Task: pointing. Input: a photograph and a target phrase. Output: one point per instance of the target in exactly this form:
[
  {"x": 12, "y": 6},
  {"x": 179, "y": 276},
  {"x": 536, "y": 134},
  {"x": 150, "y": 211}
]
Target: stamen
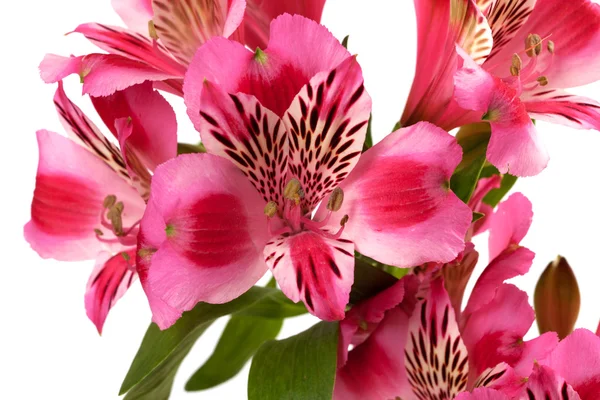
[
  {"x": 335, "y": 199},
  {"x": 542, "y": 80},
  {"x": 109, "y": 201},
  {"x": 98, "y": 232},
  {"x": 533, "y": 44},
  {"x": 293, "y": 191},
  {"x": 516, "y": 66},
  {"x": 344, "y": 220},
  {"x": 271, "y": 209},
  {"x": 550, "y": 46},
  {"x": 114, "y": 215},
  {"x": 152, "y": 30}
]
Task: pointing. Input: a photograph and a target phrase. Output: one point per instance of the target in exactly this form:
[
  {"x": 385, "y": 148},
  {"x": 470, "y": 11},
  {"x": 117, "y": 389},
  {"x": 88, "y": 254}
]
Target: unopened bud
[
  {"x": 293, "y": 190},
  {"x": 344, "y": 220},
  {"x": 556, "y": 299},
  {"x": 271, "y": 209},
  {"x": 109, "y": 201},
  {"x": 533, "y": 45},
  {"x": 542, "y": 80},
  {"x": 551, "y": 46},
  {"x": 335, "y": 199}
]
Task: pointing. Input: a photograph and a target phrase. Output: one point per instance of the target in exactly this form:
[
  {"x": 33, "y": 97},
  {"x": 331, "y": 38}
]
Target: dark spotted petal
[
  {"x": 560, "y": 107},
  {"x": 506, "y": 17}
]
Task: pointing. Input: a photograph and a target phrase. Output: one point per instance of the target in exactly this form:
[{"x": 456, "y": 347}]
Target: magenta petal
[
  {"x": 544, "y": 383},
  {"x": 482, "y": 394},
  {"x": 509, "y": 224},
  {"x": 327, "y": 123},
  {"x": 401, "y": 211},
  {"x": 315, "y": 269},
  {"x": 154, "y": 127},
  {"x": 577, "y": 360},
  {"x": 560, "y": 107},
  {"x": 207, "y": 230},
  {"x": 71, "y": 185},
  {"x": 260, "y": 13},
  {"x": 110, "y": 280},
  {"x": 135, "y": 13}
]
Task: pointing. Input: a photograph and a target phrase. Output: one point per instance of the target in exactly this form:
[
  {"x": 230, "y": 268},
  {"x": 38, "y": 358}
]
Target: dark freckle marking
[
  {"x": 530, "y": 394},
  {"x": 343, "y": 251},
  {"x": 237, "y": 158},
  {"x": 238, "y": 104},
  {"x": 299, "y": 279},
  {"x": 334, "y": 268},
  {"x": 320, "y": 95},
  {"x": 314, "y": 117},
  {"x": 223, "y": 140},
  {"x": 308, "y": 299},
  {"x": 355, "y": 96},
  {"x": 330, "y": 78},
  {"x": 309, "y": 91},
  {"x": 258, "y": 112},
  {"x": 209, "y": 119}
]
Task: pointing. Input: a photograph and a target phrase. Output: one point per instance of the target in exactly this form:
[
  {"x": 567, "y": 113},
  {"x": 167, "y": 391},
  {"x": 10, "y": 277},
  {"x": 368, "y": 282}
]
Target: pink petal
[
  {"x": 183, "y": 26},
  {"x": 435, "y": 345},
  {"x": 298, "y": 49},
  {"x": 208, "y": 228},
  {"x": 401, "y": 210},
  {"x": 482, "y": 394},
  {"x": 71, "y": 185},
  {"x": 260, "y": 13},
  {"x": 457, "y": 274},
  {"x": 509, "y": 224},
  {"x": 514, "y": 145},
  {"x": 315, "y": 269},
  {"x": 132, "y": 45},
  {"x": 560, "y": 107},
  {"x": 441, "y": 26},
  {"x": 375, "y": 367},
  {"x": 477, "y": 205},
  {"x": 238, "y": 128},
  {"x": 135, "y": 13},
  {"x": 502, "y": 378},
  {"x": 54, "y": 68},
  {"x": 574, "y": 27},
  {"x": 139, "y": 174},
  {"x": 546, "y": 384},
  {"x": 108, "y": 283},
  {"x": 327, "y": 123},
  {"x": 577, "y": 360},
  {"x": 154, "y": 135},
  {"x": 82, "y": 130}
]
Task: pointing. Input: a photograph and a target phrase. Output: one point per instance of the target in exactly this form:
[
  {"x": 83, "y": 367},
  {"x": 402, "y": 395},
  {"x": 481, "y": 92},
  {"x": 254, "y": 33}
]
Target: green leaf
[
  {"x": 241, "y": 338},
  {"x": 153, "y": 369},
  {"x": 301, "y": 367},
  {"x": 495, "y": 196},
  {"x": 473, "y": 139},
  {"x": 369, "y": 137},
  {"x": 345, "y": 41},
  {"x": 274, "y": 305},
  {"x": 369, "y": 279},
  {"x": 187, "y": 148},
  {"x": 477, "y": 216}
]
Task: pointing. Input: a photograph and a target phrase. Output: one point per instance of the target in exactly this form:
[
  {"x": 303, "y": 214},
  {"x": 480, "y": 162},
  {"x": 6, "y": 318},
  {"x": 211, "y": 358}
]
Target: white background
[{"x": 49, "y": 349}]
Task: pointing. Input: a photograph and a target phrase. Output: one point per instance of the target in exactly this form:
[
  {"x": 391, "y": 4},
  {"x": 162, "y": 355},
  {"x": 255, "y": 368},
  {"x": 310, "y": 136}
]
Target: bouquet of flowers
[{"x": 286, "y": 187}]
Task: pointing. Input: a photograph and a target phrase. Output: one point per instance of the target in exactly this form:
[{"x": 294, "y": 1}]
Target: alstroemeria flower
[
  {"x": 215, "y": 223},
  {"x": 539, "y": 49},
  {"x": 418, "y": 344},
  {"x": 89, "y": 195},
  {"x": 162, "y": 38}
]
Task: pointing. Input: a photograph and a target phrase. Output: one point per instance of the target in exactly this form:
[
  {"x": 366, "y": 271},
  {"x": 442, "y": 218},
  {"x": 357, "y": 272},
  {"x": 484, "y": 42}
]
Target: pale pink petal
[
  {"x": 126, "y": 43},
  {"x": 509, "y": 224},
  {"x": 435, "y": 345},
  {"x": 401, "y": 210},
  {"x": 501, "y": 377},
  {"x": 560, "y": 107},
  {"x": 83, "y": 131},
  {"x": 139, "y": 174},
  {"x": 505, "y": 18},
  {"x": 544, "y": 383},
  {"x": 315, "y": 269},
  {"x": 327, "y": 123},
  {"x": 299, "y": 48},
  {"x": 577, "y": 360},
  {"x": 135, "y": 13},
  {"x": 574, "y": 27},
  {"x": 482, "y": 394},
  {"x": 55, "y": 68},
  {"x": 375, "y": 367},
  {"x": 109, "y": 281},
  {"x": 210, "y": 227},
  {"x": 260, "y": 13},
  {"x": 183, "y": 26},
  {"x": 154, "y": 135},
  {"x": 238, "y": 128},
  {"x": 514, "y": 144},
  {"x": 71, "y": 185},
  {"x": 441, "y": 26}
]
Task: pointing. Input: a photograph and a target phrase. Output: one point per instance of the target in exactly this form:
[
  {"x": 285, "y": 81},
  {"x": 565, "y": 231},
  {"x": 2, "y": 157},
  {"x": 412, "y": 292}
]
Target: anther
[
  {"x": 114, "y": 215},
  {"x": 271, "y": 209},
  {"x": 293, "y": 191},
  {"x": 515, "y": 68},
  {"x": 542, "y": 80},
  {"x": 152, "y": 30},
  {"x": 533, "y": 45},
  {"x": 109, "y": 201},
  {"x": 550, "y": 46},
  {"x": 98, "y": 232},
  {"x": 344, "y": 220},
  {"x": 335, "y": 199}
]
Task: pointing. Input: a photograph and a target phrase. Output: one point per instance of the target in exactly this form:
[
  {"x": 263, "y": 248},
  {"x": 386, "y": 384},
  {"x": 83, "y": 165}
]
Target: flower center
[
  {"x": 111, "y": 219},
  {"x": 291, "y": 217},
  {"x": 531, "y": 75}
]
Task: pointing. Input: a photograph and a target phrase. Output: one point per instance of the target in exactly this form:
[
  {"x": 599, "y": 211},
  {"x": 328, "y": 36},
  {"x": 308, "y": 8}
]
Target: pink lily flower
[
  {"x": 216, "y": 223},
  {"x": 162, "y": 37},
  {"x": 89, "y": 194},
  {"x": 540, "y": 48},
  {"x": 413, "y": 341}
]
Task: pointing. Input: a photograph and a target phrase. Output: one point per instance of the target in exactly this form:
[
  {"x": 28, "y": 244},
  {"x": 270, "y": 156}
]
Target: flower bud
[{"x": 556, "y": 299}]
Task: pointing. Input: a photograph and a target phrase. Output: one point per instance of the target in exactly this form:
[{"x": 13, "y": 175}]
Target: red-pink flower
[
  {"x": 413, "y": 341},
  {"x": 539, "y": 49},
  {"x": 162, "y": 37},
  {"x": 286, "y": 128},
  {"x": 89, "y": 194}
]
